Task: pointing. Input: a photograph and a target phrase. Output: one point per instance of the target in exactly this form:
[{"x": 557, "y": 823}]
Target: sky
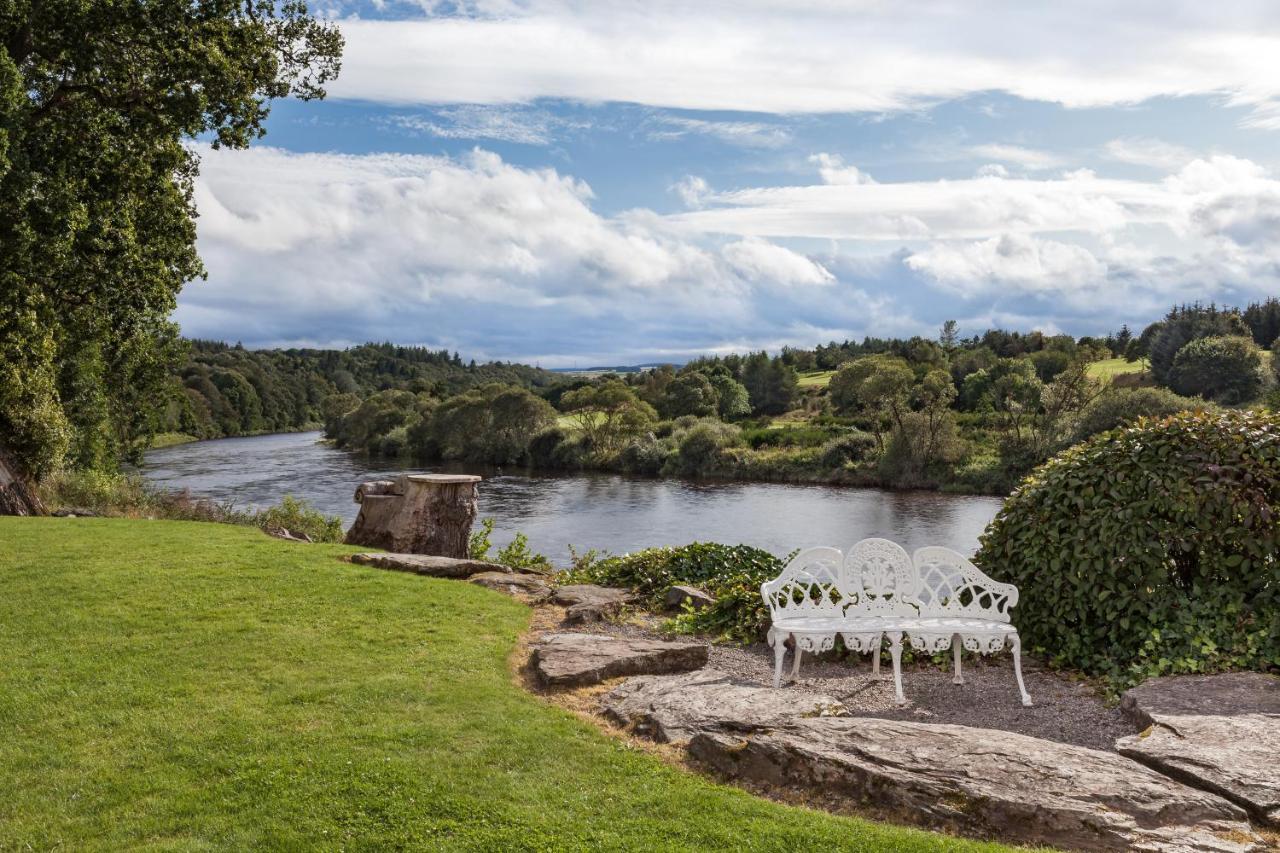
[{"x": 613, "y": 182}]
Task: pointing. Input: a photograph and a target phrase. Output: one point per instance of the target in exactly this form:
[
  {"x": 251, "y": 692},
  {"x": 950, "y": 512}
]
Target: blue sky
[{"x": 612, "y": 182}]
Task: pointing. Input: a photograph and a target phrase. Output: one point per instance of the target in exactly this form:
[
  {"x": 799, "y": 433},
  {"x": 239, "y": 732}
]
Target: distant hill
[{"x": 628, "y": 368}]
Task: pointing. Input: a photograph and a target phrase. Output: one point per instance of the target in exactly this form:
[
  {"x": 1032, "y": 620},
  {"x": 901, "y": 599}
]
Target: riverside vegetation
[{"x": 972, "y": 415}]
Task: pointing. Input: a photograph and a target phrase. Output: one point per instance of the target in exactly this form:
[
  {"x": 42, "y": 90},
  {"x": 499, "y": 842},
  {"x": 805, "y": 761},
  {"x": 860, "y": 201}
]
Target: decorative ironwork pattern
[{"x": 937, "y": 600}]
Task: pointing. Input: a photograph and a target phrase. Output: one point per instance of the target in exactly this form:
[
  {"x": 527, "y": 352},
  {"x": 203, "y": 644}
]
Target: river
[{"x": 588, "y": 510}]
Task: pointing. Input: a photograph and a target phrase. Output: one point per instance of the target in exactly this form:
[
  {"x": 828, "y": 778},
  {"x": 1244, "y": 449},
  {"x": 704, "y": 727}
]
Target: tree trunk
[
  {"x": 417, "y": 514},
  {"x": 17, "y": 492}
]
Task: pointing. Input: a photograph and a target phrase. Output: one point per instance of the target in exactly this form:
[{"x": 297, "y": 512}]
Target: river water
[{"x": 588, "y": 510}]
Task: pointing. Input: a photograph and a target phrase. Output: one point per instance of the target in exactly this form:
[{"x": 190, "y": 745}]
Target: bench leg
[
  {"x": 875, "y": 656},
  {"x": 955, "y": 655},
  {"x": 895, "y": 651},
  {"x": 1017, "y": 670},
  {"x": 795, "y": 664},
  {"x": 779, "y": 652}
]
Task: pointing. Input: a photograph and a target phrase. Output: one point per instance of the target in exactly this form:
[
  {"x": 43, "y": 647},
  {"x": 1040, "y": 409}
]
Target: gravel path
[{"x": 1065, "y": 710}]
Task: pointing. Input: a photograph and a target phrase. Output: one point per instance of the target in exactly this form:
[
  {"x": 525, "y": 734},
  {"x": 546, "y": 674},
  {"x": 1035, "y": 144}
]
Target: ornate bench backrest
[
  {"x": 881, "y": 579},
  {"x": 950, "y": 585},
  {"x": 810, "y": 585}
]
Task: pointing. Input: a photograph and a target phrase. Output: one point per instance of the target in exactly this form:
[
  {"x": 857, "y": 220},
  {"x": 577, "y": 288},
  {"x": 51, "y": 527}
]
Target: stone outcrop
[
  {"x": 574, "y": 660},
  {"x": 675, "y": 709},
  {"x": 677, "y": 596},
  {"x": 1220, "y": 733},
  {"x": 977, "y": 781},
  {"x": 533, "y": 588},
  {"x": 416, "y": 514},
  {"x": 586, "y": 602},
  {"x": 424, "y": 564},
  {"x": 1226, "y": 694}
]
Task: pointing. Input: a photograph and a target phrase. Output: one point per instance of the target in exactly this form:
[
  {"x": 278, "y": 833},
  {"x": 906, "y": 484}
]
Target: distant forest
[{"x": 227, "y": 390}]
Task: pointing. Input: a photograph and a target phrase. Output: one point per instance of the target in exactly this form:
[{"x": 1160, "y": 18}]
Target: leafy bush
[
  {"x": 1119, "y": 406},
  {"x": 299, "y": 517},
  {"x": 699, "y": 449},
  {"x": 1150, "y": 550},
  {"x": 1225, "y": 369},
  {"x": 807, "y": 436},
  {"x": 514, "y": 555},
  {"x": 645, "y": 455},
  {"x": 853, "y": 446},
  {"x": 731, "y": 573}
]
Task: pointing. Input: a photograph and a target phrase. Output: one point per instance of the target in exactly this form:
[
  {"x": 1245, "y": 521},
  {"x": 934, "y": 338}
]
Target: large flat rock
[
  {"x": 1220, "y": 733},
  {"x": 585, "y": 602},
  {"x": 675, "y": 709},
  {"x": 977, "y": 781},
  {"x": 1226, "y": 694},
  {"x": 573, "y": 660},
  {"x": 534, "y": 588},
  {"x": 424, "y": 564}
]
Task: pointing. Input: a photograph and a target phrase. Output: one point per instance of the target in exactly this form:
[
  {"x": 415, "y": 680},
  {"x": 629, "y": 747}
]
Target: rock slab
[
  {"x": 586, "y": 602},
  {"x": 674, "y": 710},
  {"x": 1220, "y": 733},
  {"x": 519, "y": 584},
  {"x": 424, "y": 564},
  {"x": 978, "y": 781},
  {"x": 677, "y": 596},
  {"x": 574, "y": 660}
]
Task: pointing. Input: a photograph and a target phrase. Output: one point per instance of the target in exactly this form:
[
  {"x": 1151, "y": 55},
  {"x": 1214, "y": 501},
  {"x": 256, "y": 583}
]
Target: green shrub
[
  {"x": 96, "y": 490},
  {"x": 298, "y": 517},
  {"x": 730, "y": 573},
  {"x": 1120, "y": 406},
  {"x": 699, "y": 449},
  {"x": 1225, "y": 369},
  {"x": 514, "y": 555},
  {"x": 853, "y": 446},
  {"x": 1151, "y": 549},
  {"x": 644, "y": 455}
]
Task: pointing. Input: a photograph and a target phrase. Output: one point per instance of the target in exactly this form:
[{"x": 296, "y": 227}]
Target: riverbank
[
  {"x": 611, "y": 512},
  {"x": 207, "y": 686}
]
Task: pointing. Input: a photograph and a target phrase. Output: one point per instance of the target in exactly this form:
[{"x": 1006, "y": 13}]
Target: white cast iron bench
[{"x": 937, "y": 599}]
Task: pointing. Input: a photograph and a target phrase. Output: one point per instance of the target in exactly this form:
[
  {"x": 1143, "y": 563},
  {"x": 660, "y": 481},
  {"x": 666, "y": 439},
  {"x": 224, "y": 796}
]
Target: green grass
[
  {"x": 1109, "y": 368},
  {"x": 169, "y": 439},
  {"x": 816, "y": 379},
  {"x": 194, "y": 686}
]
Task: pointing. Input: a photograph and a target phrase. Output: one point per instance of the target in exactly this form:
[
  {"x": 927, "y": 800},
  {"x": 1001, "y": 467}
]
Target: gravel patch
[{"x": 1066, "y": 710}]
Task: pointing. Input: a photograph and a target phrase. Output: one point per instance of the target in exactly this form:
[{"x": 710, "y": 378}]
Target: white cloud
[
  {"x": 761, "y": 261},
  {"x": 833, "y": 170},
  {"x": 1142, "y": 151},
  {"x": 992, "y": 170},
  {"x": 748, "y": 134},
  {"x": 691, "y": 190},
  {"x": 1027, "y": 158},
  {"x": 1016, "y": 260},
  {"x": 819, "y": 56},
  {"x": 477, "y": 121},
  {"x": 472, "y": 253}
]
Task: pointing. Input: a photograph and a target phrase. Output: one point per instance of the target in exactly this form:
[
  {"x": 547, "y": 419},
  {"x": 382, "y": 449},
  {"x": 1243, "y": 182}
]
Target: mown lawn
[
  {"x": 816, "y": 379},
  {"x": 189, "y": 686},
  {"x": 1109, "y": 368}
]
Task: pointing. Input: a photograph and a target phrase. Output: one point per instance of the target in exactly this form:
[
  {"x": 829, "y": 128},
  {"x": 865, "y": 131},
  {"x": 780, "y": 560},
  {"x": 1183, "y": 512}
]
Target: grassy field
[
  {"x": 1109, "y": 368},
  {"x": 816, "y": 379},
  {"x": 189, "y": 686}
]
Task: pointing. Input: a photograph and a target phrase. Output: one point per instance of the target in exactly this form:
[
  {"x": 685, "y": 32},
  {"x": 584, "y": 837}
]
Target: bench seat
[{"x": 936, "y": 600}]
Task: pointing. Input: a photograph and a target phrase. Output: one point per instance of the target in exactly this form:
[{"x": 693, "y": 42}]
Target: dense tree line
[
  {"x": 225, "y": 390},
  {"x": 98, "y": 102},
  {"x": 971, "y": 413}
]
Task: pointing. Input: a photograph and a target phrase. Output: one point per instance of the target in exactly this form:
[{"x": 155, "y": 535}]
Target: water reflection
[{"x": 587, "y": 510}]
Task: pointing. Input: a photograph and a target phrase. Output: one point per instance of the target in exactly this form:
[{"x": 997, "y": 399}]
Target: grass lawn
[
  {"x": 169, "y": 439},
  {"x": 192, "y": 686},
  {"x": 816, "y": 379},
  {"x": 1108, "y": 368}
]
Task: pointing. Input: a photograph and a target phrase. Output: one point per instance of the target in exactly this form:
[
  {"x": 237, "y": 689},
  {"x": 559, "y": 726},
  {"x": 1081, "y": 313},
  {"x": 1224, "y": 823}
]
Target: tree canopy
[{"x": 102, "y": 110}]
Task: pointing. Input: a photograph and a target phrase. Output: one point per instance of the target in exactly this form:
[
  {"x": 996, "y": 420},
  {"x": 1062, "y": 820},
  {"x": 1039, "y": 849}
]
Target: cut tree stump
[
  {"x": 417, "y": 514},
  {"x": 17, "y": 494}
]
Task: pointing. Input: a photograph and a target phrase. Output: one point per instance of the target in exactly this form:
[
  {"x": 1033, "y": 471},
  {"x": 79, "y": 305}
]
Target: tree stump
[
  {"x": 17, "y": 494},
  {"x": 417, "y": 514}
]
